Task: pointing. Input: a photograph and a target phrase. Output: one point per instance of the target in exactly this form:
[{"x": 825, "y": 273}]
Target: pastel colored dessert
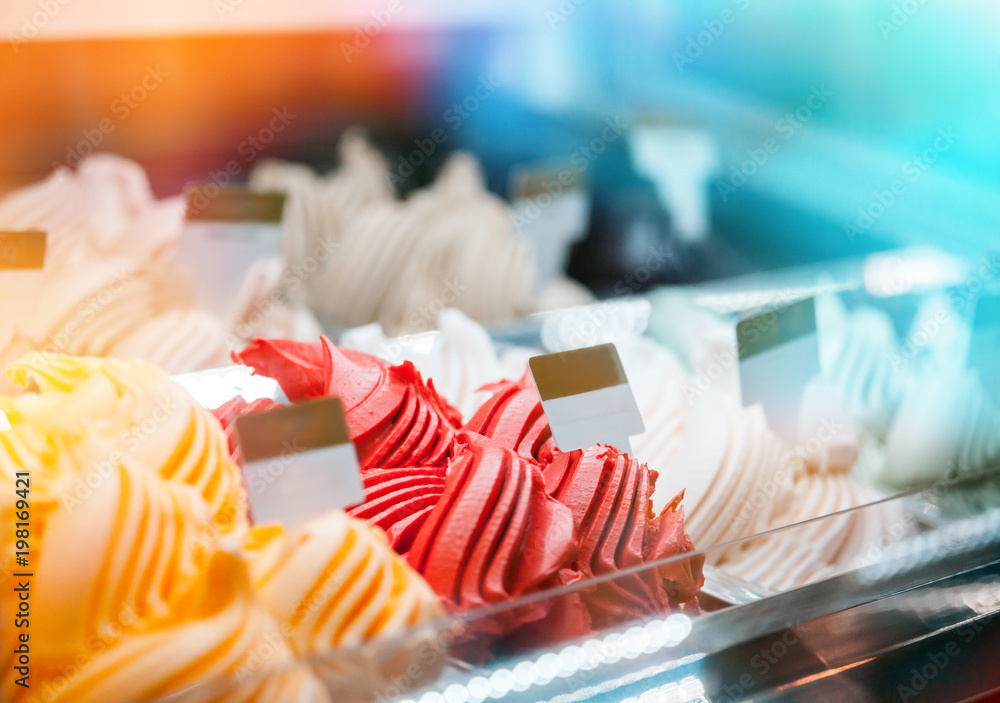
[
  {"x": 334, "y": 584},
  {"x": 178, "y": 340},
  {"x": 154, "y": 606},
  {"x": 856, "y": 354},
  {"x": 513, "y": 417},
  {"x": 947, "y": 426},
  {"x": 822, "y": 548},
  {"x": 458, "y": 355},
  {"x": 107, "y": 241},
  {"x": 394, "y": 418},
  {"x": 461, "y": 226},
  {"x": 739, "y": 478},
  {"x": 609, "y": 495},
  {"x": 399, "y": 262},
  {"x": 400, "y": 500},
  {"x": 495, "y": 533},
  {"x": 109, "y": 286},
  {"x": 142, "y": 414},
  {"x": 164, "y": 601},
  {"x": 507, "y": 515},
  {"x": 319, "y": 208},
  {"x": 923, "y": 416}
]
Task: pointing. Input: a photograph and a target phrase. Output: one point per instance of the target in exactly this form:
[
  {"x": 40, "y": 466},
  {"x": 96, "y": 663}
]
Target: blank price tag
[
  {"x": 22, "y": 256},
  {"x": 586, "y": 398},
  {"x": 779, "y": 356},
  {"x": 225, "y": 233},
  {"x": 984, "y": 349},
  {"x": 299, "y": 462}
]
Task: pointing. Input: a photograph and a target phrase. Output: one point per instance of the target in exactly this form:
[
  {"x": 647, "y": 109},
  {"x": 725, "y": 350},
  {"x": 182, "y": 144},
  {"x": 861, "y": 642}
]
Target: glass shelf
[{"x": 928, "y": 598}]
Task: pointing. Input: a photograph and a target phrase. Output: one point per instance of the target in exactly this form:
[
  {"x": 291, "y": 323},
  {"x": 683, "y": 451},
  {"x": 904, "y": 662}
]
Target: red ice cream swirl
[
  {"x": 609, "y": 495},
  {"x": 513, "y": 417},
  {"x": 395, "y": 419},
  {"x": 494, "y": 534},
  {"x": 400, "y": 501}
]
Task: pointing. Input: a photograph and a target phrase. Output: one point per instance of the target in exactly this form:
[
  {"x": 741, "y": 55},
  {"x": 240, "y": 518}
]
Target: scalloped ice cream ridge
[
  {"x": 110, "y": 285},
  {"x": 918, "y": 414},
  {"x": 398, "y": 262},
  {"x": 738, "y": 478},
  {"x": 922, "y": 416},
  {"x": 175, "y": 594},
  {"x": 494, "y": 475}
]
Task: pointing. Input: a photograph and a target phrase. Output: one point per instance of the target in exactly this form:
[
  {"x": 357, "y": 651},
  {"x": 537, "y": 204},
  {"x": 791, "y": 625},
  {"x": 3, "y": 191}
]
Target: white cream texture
[
  {"x": 109, "y": 283},
  {"x": 399, "y": 262},
  {"x": 739, "y": 478}
]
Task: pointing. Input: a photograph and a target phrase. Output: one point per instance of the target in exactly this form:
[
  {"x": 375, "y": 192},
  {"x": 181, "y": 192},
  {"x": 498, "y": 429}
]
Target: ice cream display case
[
  {"x": 421, "y": 354},
  {"x": 850, "y": 557},
  {"x": 875, "y": 631},
  {"x": 904, "y": 620}
]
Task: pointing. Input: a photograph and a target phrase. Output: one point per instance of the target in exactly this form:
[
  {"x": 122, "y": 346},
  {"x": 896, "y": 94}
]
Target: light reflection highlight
[{"x": 573, "y": 659}]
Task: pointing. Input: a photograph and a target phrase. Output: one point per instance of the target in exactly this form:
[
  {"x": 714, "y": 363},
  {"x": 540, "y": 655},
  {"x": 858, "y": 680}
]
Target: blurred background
[{"x": 741, "y": 135}]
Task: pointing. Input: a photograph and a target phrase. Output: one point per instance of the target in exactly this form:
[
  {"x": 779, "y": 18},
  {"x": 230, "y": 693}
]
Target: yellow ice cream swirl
[
  {"x": 138, "y": 594},
  {"x": 335, "y": 584},
  {"x": 133, "y": 595},
  {"x": 141, "y": 413},
  {"x": 220, "y": 644}
]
